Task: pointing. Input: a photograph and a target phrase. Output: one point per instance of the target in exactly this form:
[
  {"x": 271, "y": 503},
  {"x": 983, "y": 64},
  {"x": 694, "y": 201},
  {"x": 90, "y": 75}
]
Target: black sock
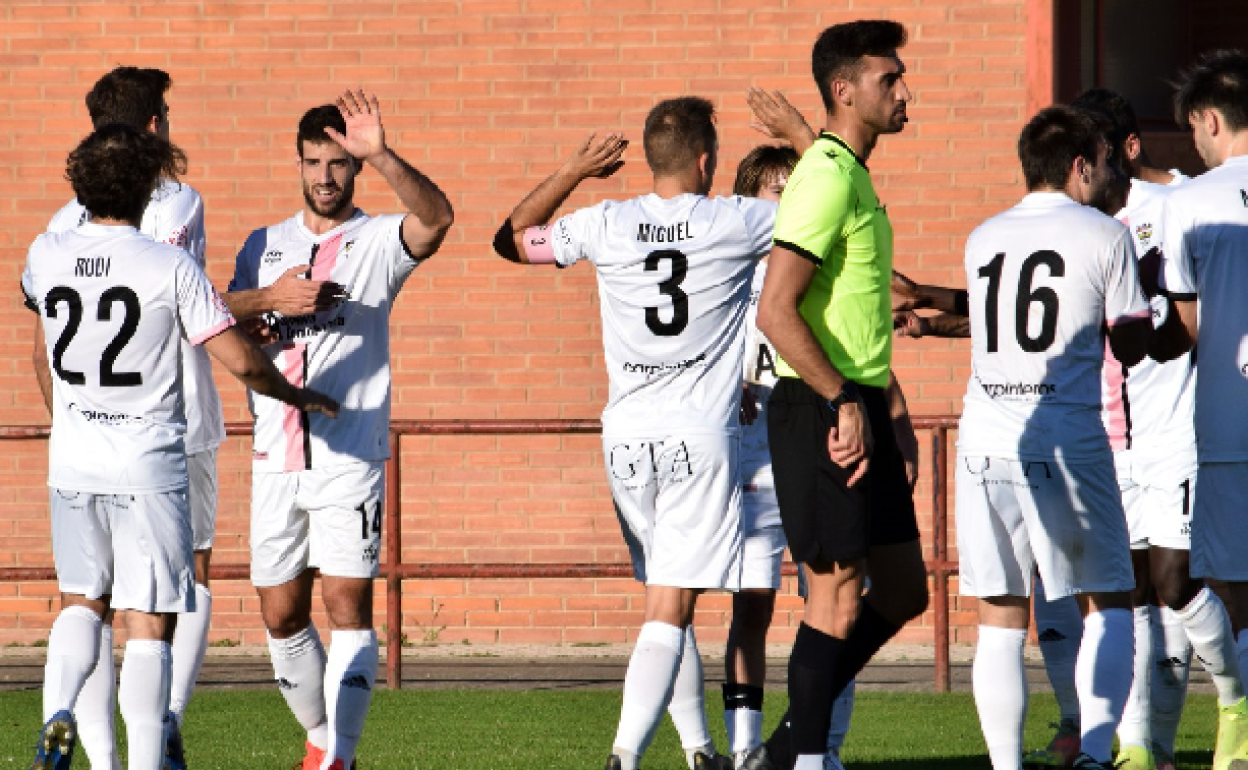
[
  {"x": 870, "y": 633},
  {"x": 780, "y": 744},
  {"x": 812, "y": 668},
  {"x": 742, "y": 696}
]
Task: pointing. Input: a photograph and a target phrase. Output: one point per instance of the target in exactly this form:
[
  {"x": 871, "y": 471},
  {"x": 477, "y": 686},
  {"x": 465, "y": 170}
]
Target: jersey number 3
[
  {"x": 1026, "y": 297},
  {"x": 670, "y": 287},
  {"x": 129, "y": 324}
]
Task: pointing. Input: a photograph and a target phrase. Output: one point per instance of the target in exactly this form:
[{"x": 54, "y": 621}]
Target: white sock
[
  {"x": 1103, "y": 676},
  {"x": 1169, "y": 677},
  {"x": 999, "y": 682},
  {"x": 1059, "y": 627},
  {"x": 745, "y": 729},
  {"x": 350, "y": 674},
  {"x": 190, "y": 641},
  {"x": 1208, "y": 628},
  {"x": 73, "y": 646},
  {"x": 688, "y": 703},
  {"x": 144, "y": 697},
  {"x": 842, "y": 711},
  {"x": 808, "y": 762},
  {"x": 96, "y": 707},
  {"x": 1134, "y": 728},
  {"x": 299, "y": 668},
  {"x": 648, "y": 684}
]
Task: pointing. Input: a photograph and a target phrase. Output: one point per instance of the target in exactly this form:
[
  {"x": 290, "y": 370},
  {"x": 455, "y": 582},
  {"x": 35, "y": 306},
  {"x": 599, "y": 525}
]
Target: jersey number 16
[{"x": 1025, "y": 298}]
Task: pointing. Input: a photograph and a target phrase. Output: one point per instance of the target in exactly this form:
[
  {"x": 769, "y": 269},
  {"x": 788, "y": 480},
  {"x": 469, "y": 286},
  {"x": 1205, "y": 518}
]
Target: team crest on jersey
[{"x": 1144, "y": 232}]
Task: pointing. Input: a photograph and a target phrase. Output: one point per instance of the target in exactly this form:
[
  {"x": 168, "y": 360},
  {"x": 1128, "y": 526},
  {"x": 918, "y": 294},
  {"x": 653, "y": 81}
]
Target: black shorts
[{"x": 824, "y": 520}]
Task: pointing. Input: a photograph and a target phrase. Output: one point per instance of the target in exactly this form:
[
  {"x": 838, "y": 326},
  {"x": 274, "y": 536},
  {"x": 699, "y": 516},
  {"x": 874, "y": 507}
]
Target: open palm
[{"x": 365, "y": 137}]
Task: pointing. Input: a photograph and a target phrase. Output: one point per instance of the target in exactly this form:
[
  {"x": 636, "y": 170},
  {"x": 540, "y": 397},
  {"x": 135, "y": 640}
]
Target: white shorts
[
  {"x": 678, "y": 499},
  {"x": 135, "y": 547},
  {"x": 762, "y": 554},
  {"x": 1066, "y": 520},
  {"x": 327, "y": 518},
  {"x": 202, "y": 467},
  {"x": 1158, "y": 498},
  {"x": 1219, "y": 521}
]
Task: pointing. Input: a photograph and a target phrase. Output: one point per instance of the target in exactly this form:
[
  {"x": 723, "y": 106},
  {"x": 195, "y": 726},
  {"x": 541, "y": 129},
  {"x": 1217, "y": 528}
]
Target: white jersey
[
  {"x": 1149, "y": 408},
  {"x": 760, "y": 373},
  {"x": 1204, "y": 243},
  {"x": 175, "y": 215},
  {"x": 115, "y": 305},
  {"x": 343, "y": 352},
  {"x": 1045, "y": 277},
  {"x": 673, "y": 282}
]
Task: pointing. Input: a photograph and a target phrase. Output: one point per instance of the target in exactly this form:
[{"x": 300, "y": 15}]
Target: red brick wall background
[{"x": 485, "y": 96}]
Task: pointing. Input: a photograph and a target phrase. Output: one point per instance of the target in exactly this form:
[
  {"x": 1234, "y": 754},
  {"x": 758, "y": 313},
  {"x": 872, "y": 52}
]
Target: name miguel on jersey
[{"x": 648, "y": 233}]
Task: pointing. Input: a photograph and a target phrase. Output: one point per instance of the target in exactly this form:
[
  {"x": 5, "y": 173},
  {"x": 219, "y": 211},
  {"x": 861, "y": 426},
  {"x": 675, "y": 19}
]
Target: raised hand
[
  {"x": 365, "y": 138},
  {"x": 598, "y": 158},
  {"x": 777, "y": 119}
]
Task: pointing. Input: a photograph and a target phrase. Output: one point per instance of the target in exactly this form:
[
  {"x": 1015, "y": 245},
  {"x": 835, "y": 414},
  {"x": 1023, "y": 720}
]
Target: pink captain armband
[{"x": 538, "y": 249}]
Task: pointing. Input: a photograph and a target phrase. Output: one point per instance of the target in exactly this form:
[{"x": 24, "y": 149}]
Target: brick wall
[{"x": 485, "y": 96}]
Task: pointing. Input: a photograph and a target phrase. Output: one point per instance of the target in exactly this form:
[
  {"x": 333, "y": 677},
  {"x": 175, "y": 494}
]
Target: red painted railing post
[
  {"x": 940, "y": 553},
  {"x": 394, "y": 563}
]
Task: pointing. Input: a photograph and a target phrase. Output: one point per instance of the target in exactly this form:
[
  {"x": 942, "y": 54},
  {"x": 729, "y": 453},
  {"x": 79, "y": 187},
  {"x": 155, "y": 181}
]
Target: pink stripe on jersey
[
  {"x": 290, "y": 363},
  {"x": 203, "y": 337},
  {"x": 326, "y": 258},
  {"x": 1117, "y": 406}
]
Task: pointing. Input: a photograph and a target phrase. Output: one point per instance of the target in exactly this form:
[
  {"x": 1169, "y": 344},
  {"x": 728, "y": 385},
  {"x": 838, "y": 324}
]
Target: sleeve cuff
[
  {"x": 1179, "y": 296},
  {"x": 798, "y": 250},
  {"x": 204, "y": 336},
  {"x": 1139, "y": 315}
]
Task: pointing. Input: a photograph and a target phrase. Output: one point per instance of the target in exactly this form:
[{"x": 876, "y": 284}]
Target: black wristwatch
[{"x": 849, "y": 392}]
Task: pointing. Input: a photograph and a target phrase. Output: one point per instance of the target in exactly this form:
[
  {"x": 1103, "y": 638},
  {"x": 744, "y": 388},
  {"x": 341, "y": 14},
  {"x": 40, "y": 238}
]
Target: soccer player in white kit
[
  {"x": 114, "y": 307},
  {"x": 1148, "y": 413},
  {"x": 135, "y": 96},
  {"x": 318, "y": 487},
  {"x": 674, "y": 273},
  {"x": 1204, "y": 224},
  {"x": 1035, "y": 476}
]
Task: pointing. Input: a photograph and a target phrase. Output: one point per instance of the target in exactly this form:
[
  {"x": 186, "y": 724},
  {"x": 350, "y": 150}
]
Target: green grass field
[{"x": 496, "y": 730}]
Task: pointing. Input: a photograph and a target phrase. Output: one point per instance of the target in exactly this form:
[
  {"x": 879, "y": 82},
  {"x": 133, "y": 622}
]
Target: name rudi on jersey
[
  {"x": 648, "y": 233},
  {"x": 667, "y": 458},
  {"x": 92, "y": 267}
]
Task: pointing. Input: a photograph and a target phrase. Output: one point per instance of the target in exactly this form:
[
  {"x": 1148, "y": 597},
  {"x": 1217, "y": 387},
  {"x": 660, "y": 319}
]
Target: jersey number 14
[{"x": 1025, "y": 298}]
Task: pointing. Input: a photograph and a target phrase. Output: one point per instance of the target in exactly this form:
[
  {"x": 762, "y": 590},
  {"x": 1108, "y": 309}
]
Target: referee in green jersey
[{"x": 841, "y": 482}]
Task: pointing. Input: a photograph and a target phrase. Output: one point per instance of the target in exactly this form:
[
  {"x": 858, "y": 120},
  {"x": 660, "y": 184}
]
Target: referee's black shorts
[{"x": 825, "y": 520}]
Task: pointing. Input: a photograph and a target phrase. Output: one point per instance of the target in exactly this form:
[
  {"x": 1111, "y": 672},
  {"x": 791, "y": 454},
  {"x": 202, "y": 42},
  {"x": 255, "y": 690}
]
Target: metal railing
[{"x": 394, "y": 570}]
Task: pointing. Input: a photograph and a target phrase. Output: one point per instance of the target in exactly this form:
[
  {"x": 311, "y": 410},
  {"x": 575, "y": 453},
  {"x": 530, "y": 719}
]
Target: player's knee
[
  {"x": 1176, "y": 590},
  {"x": 752, "y": 612}
]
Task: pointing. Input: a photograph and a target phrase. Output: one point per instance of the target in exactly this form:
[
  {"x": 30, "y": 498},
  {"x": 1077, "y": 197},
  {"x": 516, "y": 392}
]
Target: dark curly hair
[{"x": 116, "y": 168}]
